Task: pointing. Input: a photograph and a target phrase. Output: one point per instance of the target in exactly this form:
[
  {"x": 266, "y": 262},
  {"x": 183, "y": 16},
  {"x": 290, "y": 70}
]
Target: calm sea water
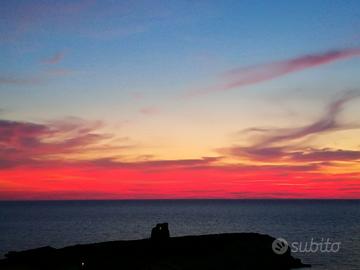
[{"x": 25, "y": 225}]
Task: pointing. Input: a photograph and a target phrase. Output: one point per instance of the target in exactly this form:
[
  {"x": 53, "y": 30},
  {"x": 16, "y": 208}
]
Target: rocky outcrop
[{"x": 217, "y": 251}]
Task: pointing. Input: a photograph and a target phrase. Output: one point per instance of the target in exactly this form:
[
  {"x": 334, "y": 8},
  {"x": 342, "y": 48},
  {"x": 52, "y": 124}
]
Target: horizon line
[{"x": 187, "y": 199}]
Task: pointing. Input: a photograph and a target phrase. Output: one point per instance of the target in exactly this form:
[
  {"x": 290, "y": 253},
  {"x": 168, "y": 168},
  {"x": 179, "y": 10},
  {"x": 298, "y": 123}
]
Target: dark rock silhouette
[
  {"x": 218, "y": 251},
  {"x": 160, "y": 232}
]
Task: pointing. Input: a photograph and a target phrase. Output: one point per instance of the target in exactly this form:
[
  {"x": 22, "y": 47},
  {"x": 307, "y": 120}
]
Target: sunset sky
[{"x": 179, "y": 99}]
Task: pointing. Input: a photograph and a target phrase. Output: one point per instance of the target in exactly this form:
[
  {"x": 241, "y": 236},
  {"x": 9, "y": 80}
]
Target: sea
[{"x": 324, "y": 233}]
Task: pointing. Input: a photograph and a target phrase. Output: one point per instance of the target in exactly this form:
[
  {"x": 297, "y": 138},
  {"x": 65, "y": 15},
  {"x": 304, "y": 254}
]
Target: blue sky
[{"x": 117, "y": 58}]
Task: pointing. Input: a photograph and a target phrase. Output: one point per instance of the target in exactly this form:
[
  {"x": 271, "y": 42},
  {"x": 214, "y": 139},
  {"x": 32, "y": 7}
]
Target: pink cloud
[
  {"x": 137, "y": 95},
  {"x": 44, "y": 145},
  {"x": 149, "y": 110},
  {"x": 240, "y": 77},
  {"x": 54, "y": 59},
  {"x": 32, "y": 143},
  {"x": 60, "y": 72}
]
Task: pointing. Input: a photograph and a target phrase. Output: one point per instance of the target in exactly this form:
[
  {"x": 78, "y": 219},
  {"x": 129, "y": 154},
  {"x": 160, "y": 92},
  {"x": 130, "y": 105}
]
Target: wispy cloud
[
  {"x": 291, "y": 154},
  {"x": 241, "y": 77},
  {"x": 36, "y": 163},
  {"x": 326, "y": 154},
  {"x": 279, "y": 144},
  {"x": 30, "y": 16},
  {"x": 54, "y": 59},
  {"x": 60, "y": 72},
  {"x": 119, "y": 32},
  {"x": 31, "y": 143},
  {"x": 11, "y": 80},
  {"x": 156, "y": 165},
  {"x": 327, "y": 122},
  {"x": 149, "y": 110},
  {"x": 51, "y": 144},
  {"x": 77, "y": 17},
  {"x": 38, "y": 77}
]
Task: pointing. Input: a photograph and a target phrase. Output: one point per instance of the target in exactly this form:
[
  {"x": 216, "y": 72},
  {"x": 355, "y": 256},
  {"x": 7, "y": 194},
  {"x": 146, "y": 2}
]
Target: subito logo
[{"x": 280, "y": 246}]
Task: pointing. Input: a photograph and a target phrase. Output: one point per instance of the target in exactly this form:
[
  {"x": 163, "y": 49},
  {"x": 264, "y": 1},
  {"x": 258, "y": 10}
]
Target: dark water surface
[{"x": 25, "y": 225}]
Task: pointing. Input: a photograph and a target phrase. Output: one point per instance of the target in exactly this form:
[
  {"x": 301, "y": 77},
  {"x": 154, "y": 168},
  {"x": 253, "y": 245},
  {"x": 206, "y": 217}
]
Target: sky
[{"x": 179, "y": 99}]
